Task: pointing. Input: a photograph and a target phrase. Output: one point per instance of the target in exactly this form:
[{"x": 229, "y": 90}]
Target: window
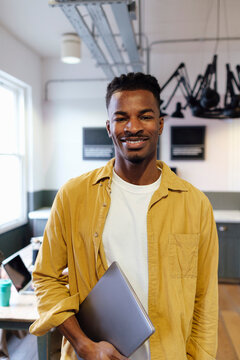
[{"x": 12, "y": 153}]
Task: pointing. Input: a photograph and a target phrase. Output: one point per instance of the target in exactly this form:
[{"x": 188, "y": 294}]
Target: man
[{"x": 158, "y": 227}]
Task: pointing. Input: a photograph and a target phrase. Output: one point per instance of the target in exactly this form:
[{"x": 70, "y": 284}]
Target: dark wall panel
[{"x": 13, "y": 240}]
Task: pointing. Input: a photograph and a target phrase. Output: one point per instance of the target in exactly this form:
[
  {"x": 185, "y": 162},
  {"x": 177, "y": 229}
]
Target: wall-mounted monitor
[
  {"x": 188, "y": 142},
  {"x": 96, "y": 144}
]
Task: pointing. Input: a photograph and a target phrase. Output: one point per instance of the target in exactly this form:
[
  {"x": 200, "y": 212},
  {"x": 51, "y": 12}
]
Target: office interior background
[
  {"x": 58, "y": 108},
  {"x": 50, "y": 102}
]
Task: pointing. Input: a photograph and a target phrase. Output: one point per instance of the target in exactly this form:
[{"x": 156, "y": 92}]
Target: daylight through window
[{"x": 12, "y": 155}]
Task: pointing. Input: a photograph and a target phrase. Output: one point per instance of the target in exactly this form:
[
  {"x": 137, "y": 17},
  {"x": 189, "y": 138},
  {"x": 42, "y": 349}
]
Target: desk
[
  {"x": 38, "y": 219},
  {"x": 227, "y": 216},
  {"x": 23, "y": 311}
]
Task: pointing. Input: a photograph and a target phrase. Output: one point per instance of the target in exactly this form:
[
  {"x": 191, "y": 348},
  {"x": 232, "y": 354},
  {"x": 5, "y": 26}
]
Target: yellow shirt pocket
[{"x": 183, "y": 255}]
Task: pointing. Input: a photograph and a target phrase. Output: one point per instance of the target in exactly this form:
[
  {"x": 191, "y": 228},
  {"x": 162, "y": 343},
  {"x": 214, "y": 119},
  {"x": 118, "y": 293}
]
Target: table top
[
  {"x": 228, "y": 216},
  {"x": 40, "y": 214},
  {"x": 23, "y": 307}
]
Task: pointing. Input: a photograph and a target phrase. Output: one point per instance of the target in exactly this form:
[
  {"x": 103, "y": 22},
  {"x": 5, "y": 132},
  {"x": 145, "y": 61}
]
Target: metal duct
[
  {"x": 121, "y": 13},
  {"x": 126, "y": 30},
  {"x": 100, "y": 21}
]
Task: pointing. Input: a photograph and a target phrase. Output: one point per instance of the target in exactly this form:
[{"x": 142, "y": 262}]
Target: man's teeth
[{"x": 133, "y": 141}]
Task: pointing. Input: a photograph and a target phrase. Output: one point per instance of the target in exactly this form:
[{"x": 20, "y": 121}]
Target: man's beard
[{"x": 135, "y": 159}]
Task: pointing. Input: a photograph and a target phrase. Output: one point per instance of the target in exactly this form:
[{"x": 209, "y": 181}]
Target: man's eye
[
  {"x": 119, "y": 119},
  {"x": 146, "y": 117}
]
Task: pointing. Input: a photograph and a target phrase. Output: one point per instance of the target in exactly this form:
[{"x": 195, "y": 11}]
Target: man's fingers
[
  {"x": 118, "y": 356},
  {"x": 109, "y": 352}
]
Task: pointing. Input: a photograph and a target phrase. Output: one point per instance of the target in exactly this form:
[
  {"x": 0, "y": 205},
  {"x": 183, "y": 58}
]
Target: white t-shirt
[{"x": 125, "y": 238}]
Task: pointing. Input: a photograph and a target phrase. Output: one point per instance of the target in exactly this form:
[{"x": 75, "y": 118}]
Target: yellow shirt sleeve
[{"x": 55, "y": 303}]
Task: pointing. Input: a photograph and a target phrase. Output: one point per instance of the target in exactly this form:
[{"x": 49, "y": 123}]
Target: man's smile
[{"x": 134, "y": 142}]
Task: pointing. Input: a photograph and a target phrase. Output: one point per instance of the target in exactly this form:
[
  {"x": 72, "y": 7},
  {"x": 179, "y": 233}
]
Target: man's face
[{"x": 134, "y": 125}]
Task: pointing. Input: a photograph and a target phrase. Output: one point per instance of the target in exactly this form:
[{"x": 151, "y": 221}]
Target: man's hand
[
  {"x": 103, "y": 351},
  {"x": 84, "y": 347}
]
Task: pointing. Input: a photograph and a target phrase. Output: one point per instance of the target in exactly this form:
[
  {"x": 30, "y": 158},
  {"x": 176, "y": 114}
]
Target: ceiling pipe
[
  {"x": 100, "y": 21},
  {"x": 54, "y": 81},
  {"x": 123, "y": 20},
  {"x": 140, "y": 25},
  {"x": 84, "y": 2},
  {"x": 176, "y": 41}
]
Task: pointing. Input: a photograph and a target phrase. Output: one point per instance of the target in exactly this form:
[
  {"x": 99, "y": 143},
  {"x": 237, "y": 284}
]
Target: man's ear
[
  {"x": 161, "y": 124},
  {"x": 108, "y": 128}
]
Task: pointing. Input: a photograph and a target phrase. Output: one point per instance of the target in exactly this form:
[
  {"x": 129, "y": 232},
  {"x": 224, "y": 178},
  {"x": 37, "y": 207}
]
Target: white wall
[
  {"x": 69, "y": 108},
  {"x": 22, "y": 63},
  {"x": 73, "y": 106},
  {"x": 63, "y": 123},
  {"x": 220, "y": 171}
]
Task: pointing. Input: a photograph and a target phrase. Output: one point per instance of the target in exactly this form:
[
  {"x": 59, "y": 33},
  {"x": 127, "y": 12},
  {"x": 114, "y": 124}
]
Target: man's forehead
[
  {"x": 132, "y": 93},
  {"x": 137, "y": 97}
]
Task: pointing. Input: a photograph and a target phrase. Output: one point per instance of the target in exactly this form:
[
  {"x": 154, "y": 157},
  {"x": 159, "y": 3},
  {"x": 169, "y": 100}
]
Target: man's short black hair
[{"x": 133, "y": 81}]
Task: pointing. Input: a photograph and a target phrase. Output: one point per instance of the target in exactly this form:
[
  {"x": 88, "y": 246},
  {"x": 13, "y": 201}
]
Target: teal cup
[{"x": 5, "y": 292}]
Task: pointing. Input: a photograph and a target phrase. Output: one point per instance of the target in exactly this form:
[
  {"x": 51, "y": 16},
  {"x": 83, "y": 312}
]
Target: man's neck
[{"x": 138, "y": 173}]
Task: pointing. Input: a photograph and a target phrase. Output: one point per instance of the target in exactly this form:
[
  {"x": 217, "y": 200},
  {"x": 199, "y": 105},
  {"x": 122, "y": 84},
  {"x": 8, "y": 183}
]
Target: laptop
[
  {"x": 19, "y": 274},
  {"x": 112, "y": 312}
]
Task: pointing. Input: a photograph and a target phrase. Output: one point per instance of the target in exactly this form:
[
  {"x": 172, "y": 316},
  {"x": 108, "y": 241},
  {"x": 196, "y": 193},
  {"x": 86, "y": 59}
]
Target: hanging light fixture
[
  {"x": 70, "y": 48},
  {"x": 178, "y": 112},
  {"x": 203, "y": 98}
]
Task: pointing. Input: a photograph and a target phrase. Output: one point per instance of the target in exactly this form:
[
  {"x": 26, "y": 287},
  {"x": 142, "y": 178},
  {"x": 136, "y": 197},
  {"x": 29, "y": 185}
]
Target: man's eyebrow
[
  {"x": 146, "y": 110},
  {"x": 124, "y": 113},
  {"x": 120, "y": 113}
]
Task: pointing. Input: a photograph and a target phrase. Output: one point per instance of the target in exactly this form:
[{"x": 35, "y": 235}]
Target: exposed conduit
[
  {"x": 54, "y": 81},
  {"x": 148, "y": 51},
  {"x": 175, "y": 41}
]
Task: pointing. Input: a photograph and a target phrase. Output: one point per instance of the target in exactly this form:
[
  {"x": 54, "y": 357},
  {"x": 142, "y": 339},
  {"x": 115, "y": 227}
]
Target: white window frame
[{"x": 23, "y": 93}]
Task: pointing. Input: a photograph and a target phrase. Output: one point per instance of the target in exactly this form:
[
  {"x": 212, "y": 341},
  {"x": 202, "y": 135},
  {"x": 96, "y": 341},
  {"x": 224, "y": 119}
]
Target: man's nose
[{"x": 134, "y": 125}]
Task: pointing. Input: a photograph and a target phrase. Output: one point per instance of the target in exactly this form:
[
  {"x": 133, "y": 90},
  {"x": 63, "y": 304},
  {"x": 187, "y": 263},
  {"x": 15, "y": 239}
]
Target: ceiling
[{"x": 40, "y": 27}]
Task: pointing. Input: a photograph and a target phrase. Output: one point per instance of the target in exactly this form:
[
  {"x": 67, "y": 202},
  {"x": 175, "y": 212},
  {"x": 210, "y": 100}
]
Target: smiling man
[
  {"x": 135, "y": 125},
  {"x": 136, "y": 211}
]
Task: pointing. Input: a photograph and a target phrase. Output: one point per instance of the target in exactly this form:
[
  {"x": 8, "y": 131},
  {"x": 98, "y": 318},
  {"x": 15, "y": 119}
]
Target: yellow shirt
[{"x": 182, "y": 262}]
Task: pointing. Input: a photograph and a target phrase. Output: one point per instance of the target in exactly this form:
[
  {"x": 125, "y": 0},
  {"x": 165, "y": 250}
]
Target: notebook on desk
[
  {"x": 112, "y": 312},
  {"x": 19, "y": 274}
]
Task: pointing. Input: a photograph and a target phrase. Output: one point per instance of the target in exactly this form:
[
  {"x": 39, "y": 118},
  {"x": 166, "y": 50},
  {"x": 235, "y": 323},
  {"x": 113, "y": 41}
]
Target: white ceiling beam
[
  {"x": 127, "y": 34},
  {"x": 100, "y": 21},
  {"x": 85, "y": 2},
  {"x": 77, "y": 21}
]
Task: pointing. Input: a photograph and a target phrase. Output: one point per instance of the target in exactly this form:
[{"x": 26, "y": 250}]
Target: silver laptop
[
  {"x": 112, "y": 312},
  {"x": 19, "y": 274}
]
